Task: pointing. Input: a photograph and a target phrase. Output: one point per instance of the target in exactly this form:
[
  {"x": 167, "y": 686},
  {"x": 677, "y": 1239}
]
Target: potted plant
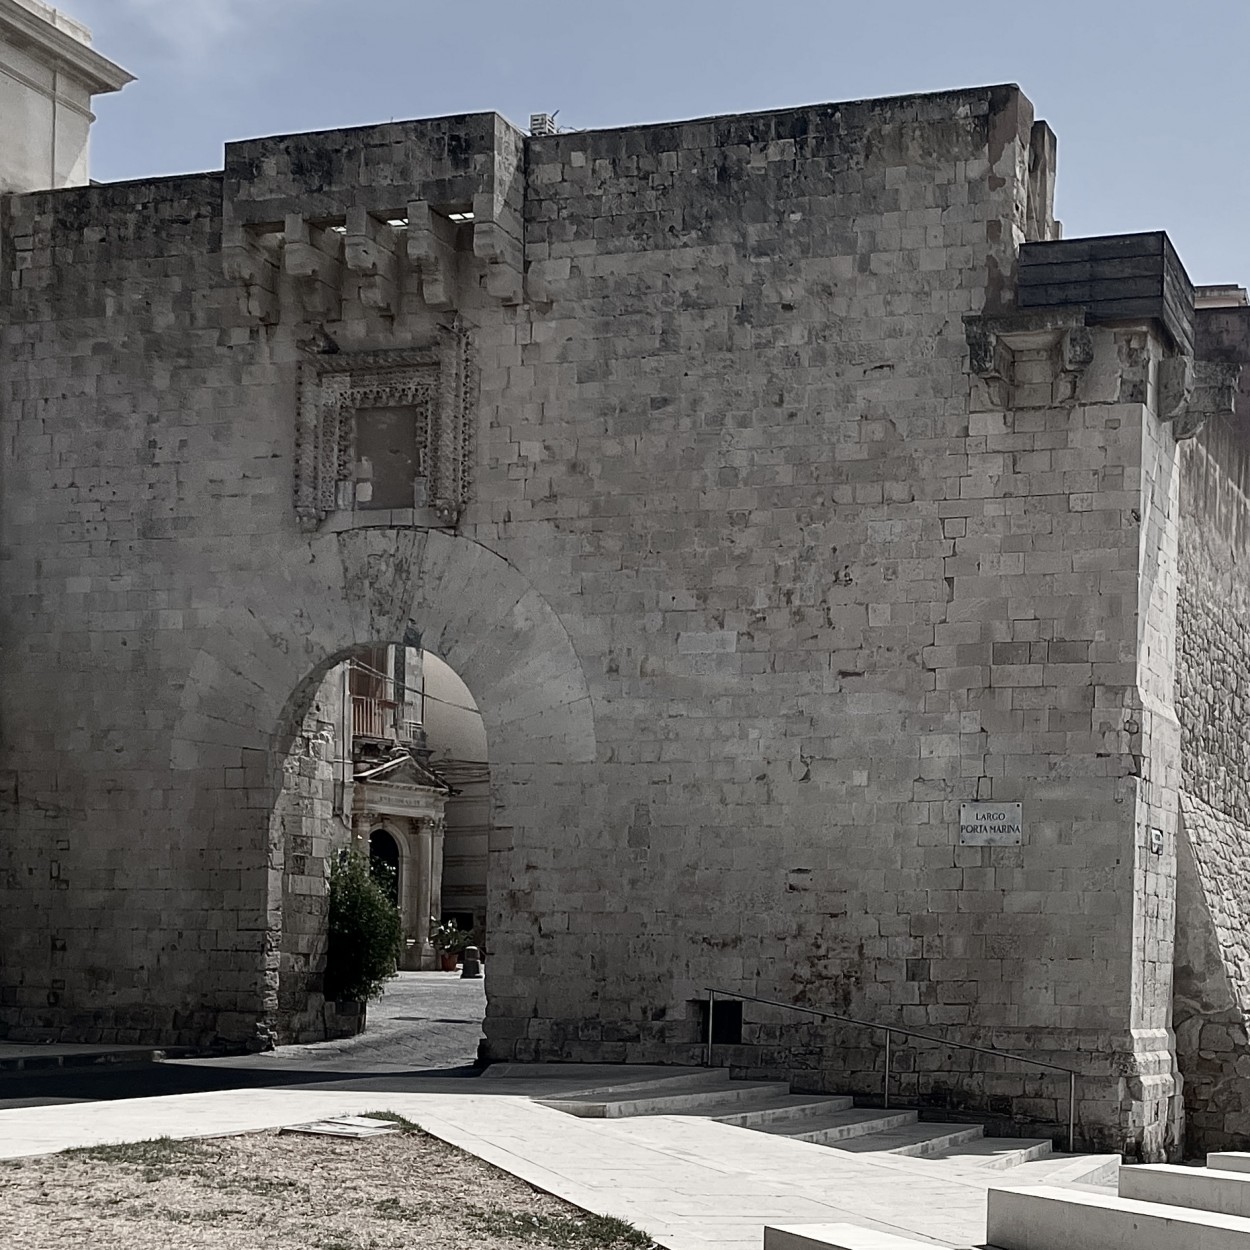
[{"x": 448, "y": 939}]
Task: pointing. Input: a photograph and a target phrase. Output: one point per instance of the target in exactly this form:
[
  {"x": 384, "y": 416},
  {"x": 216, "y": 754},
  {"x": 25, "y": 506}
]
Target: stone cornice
[{"x": 68, "y": 54}]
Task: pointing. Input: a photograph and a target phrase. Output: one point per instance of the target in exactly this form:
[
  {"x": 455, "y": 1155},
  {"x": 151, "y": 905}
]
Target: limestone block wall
[
  {"x": 753, "y": 581},
  {"x": 306, "y": 828},
  {"x": 1213, "y": 923}
]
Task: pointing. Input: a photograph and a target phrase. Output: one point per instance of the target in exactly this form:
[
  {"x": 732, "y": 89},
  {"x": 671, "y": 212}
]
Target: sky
[{"x": 1149, "y": 100}]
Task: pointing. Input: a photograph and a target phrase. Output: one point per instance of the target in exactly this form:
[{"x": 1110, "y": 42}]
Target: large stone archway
[{"x": 437, "y": 590}]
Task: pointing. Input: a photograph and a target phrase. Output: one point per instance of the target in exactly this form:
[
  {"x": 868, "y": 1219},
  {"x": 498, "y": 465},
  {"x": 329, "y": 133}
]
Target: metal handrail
[{"x": 890, "y": 1030}]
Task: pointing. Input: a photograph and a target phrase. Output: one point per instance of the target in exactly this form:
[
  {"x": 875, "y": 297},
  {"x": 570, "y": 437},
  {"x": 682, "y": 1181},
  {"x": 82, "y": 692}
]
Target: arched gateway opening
[
  {"x": 359, "y": 593},
  {"x": 391, "y": 761}
]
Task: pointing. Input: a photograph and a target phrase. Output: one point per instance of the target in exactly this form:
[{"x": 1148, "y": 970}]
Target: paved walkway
[
  {"x": 425, "y": 1021},
  {"x": 692, "y": 1184}
]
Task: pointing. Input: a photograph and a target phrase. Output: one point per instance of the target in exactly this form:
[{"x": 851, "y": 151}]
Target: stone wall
[
  {"x": 307, "y": 826},
  {"x": 753, "y": 580},
  {"x": 1213, "y": 923}
]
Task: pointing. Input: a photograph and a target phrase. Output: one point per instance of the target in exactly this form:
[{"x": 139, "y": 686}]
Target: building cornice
[{"x": 69, "y": 55}]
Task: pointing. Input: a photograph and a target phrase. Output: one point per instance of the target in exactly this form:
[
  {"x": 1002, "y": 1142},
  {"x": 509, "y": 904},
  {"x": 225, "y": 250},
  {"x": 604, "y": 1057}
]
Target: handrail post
[
  {"x": 1071, "y": 1112},
  {"x": 711, "y": 1012},
  {"x": 885, "y": 1095}
]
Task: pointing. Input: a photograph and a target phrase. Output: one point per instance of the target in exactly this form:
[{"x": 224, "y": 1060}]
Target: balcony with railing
[
  {"x": 384, "y": 719},
  {"x": 372, "y": 718}
]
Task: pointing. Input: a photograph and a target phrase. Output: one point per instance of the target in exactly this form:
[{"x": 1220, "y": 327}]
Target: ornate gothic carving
[{"x": 438, "y": 383}]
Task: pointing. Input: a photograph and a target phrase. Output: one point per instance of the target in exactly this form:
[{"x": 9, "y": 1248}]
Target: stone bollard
[{"x": 472, "y": 961}]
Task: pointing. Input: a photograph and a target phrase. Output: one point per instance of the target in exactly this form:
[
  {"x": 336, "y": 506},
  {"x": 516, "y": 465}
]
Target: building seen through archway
[{"x": 404, "y": 742}]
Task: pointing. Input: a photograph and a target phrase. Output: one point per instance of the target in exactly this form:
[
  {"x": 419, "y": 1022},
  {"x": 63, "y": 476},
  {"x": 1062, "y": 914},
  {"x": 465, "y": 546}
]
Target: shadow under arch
[{"x": 250, "y": 693}]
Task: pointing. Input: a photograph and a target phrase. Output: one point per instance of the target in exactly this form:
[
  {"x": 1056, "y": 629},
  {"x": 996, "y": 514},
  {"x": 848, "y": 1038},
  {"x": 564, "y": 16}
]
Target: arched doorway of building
[{"x": 384, "y": 863}]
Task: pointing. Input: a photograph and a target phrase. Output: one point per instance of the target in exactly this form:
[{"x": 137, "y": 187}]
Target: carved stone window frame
[{"x": 438, "y": 381}]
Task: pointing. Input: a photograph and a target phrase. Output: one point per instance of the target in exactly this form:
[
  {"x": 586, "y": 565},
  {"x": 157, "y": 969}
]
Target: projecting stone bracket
[
  {"x": 1029, "y": 359},
  {"x": 498, "y": 240},
  {"x": 432, "y": 254},
  {"x": 302, "y": 267},
  {"x": 370, "y": 252},
  {"x": 313, "y": 257},
  {"x": 254, "y": 269},
  {"x": 1191, "y": 392}
]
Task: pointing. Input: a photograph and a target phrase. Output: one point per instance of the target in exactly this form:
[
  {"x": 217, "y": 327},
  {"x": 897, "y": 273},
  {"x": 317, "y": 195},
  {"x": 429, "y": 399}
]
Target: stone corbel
[
  {"x": 246, "y": 263},
  {"x": 1191, "y": 392},
  {"x": 497, "y": 239},
  {"x": 369, "y": 252},
  {"x": 313, "y": 257},
  {"x": 1029, "y": 359},
  {"x": 432, "y": 250}
]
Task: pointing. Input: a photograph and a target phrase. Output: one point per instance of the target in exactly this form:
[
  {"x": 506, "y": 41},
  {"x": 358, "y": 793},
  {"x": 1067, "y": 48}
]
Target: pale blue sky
[{"x": 1149, "y": 100}]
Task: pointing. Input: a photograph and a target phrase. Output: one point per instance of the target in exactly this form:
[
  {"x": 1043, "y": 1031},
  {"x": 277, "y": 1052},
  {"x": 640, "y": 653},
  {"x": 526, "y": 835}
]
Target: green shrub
[{"x": 364, "y": 932}]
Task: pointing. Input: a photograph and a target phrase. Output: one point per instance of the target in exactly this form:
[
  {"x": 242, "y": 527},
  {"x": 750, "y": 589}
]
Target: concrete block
[
  {"x": 1229, "y": 1160},
  {"x": 1046, "y": 1217},
  {"x": 1206, "y": 1189}
]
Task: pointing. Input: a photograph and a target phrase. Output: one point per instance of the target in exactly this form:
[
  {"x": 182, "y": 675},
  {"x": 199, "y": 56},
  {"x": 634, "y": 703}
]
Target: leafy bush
[{"x": 364, "y": 932}]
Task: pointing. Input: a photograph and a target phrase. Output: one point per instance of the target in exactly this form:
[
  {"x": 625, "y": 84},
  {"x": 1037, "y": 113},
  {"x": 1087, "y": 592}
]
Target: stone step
[
  {"x": 916, "y": 1139},
  {"x": 996, "y": 1154},
  {"x": 1207, "y": 1189},
  {"x": 840, "y": 1126},
  {"x": 1064, "y": 1169},
  {"x": 838, "y": 1237},
  {"x": 670, "y": 1101},
  {"x": 1229, "y": 1160},
  {"x": 587, "y": 1079},
  {"x": 1045, "y": 1217},
  {"x": 784, "y": 1109}
]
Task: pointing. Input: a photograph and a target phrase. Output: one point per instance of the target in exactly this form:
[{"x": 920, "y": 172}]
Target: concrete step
[
  {"x": 996, "y": 1154},
  {"x": 838, "y": 1237},
  {"x": 1045, "y": 1217},
  {"x": 844, "y": 1126},
  {"x": 1206, "y": 1189},
  {"x": 586, "y": 1079},
  {"x": 784, "y": 1109},
  {"x": 694, "y": 1099},
  {"x": 1064, "y": 1169},
  {"x": 1229, "y": 1160},
  {"x": 916, "y": 1139}
]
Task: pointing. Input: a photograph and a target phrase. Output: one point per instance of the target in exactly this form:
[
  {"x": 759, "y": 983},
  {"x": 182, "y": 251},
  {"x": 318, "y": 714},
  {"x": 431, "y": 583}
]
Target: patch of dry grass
[{"x": 270, "y": 1192}]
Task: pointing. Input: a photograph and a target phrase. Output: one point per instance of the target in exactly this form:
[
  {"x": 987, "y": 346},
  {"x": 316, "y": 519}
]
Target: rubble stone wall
[{"x": 1213, "y": 921}]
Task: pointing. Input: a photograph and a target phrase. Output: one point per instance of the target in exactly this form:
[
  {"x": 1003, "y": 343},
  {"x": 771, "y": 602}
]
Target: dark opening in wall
[{"x": 726, "y": 1021}]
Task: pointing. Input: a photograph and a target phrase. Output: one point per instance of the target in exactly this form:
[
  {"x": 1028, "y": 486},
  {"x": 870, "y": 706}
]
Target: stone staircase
[
  {"x": 827, "y": 1120},
  {"x": 1154, "y": 1206}
]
